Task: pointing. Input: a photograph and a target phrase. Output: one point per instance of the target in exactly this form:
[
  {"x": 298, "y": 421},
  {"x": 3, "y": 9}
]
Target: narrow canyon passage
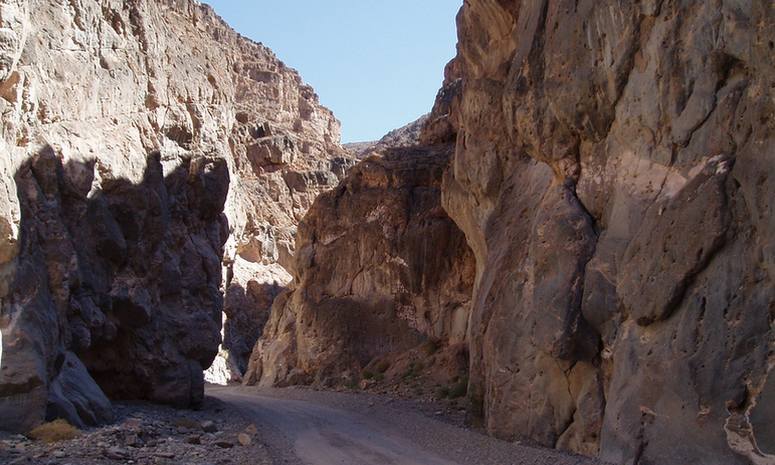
[
  {"x": 304, "y": 427},
  {"x": 574, "y": 247}
]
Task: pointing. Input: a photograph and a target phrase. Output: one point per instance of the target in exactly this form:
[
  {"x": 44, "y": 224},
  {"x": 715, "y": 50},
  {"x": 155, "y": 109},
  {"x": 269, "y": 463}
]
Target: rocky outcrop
[
  {"x": 127, "y": 276},
  {"x": 405, "y": 136},
  {"x": 381, "y": 270},
  {"x": 613, "y": 176},
  {"x": 128, "y": 128}
]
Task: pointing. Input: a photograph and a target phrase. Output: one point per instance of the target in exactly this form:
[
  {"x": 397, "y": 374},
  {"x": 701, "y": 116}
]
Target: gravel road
[{"x": 307, "y": 427}]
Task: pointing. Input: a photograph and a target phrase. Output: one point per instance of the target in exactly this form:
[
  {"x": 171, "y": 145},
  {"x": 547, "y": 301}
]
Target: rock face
[
  {"x": 614, "y": 176},
  {"x": 405, "y": 136},
  {"x": 127, "y": 276},
  {"x": 123, "y": 124},
  {"x": 613, "y": 173},
  {"x": 380, "y": 270}
]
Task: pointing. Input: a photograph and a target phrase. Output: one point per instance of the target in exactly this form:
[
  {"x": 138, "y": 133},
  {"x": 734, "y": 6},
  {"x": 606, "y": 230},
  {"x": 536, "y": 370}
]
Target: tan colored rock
[
  {"x": 244, "y": 439},
  {"x": 405, "y": 136},
  {"x": 380, "y": 270},
  {"x": 604, "y": 178},
  {"x": 613, "y": 176},
  {"x": 122, "y": 125}
]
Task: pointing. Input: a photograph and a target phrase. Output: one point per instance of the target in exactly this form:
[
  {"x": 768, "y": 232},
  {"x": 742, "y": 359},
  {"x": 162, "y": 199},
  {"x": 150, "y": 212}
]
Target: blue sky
[{"x": 377, "y": 64}]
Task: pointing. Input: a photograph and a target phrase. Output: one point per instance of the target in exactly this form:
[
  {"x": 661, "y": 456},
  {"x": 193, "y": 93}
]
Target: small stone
[
  {"x": 116, "y": 453},
  {"x": 244, "y": 439},
  {"x": 366, "y": 383},
  {"x": 132, "y": 440},
  {"x": 251, "y": 429},
  {"x": 132, "y": 424},
  {"x": 60, "y": 454},
  {"x": 194, "y": 440},
  {"x": 223, "y": 444},
  {"x": 209, "y": 426},
  {"x": 165, "y": 455}
]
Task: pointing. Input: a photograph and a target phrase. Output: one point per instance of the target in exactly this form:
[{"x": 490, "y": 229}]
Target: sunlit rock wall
[{"x": 127, "y": 129}]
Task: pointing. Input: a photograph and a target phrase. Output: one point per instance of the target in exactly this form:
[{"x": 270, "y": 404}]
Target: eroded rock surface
[
  {"x": 405, "y": 136},
  {"x": 614, "y": 175},
  {"x": 380, "y": 270},
  {"x": 128, "y": 128}
]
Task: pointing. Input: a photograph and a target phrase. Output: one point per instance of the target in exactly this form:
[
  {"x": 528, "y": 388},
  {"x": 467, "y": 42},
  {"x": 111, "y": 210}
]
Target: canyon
[
  {"x": 576, "y": 245},
  {"x": 153, "y": 158}
]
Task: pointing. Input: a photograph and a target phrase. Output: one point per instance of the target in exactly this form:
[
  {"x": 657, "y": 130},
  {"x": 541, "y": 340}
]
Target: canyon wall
[
  {"x": 380, "y": 271},
  {"x": 587, "y": 224},
  {"x": 128, "y": 128},
  {"x": 614, "y": 175}
]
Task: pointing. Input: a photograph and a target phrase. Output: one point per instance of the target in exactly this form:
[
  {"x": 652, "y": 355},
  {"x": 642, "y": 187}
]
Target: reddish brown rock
[{"x": 613, "y": 176}]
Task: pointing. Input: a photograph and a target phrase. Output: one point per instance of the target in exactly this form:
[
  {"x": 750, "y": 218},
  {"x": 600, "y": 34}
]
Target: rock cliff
[
  {"x": 613, "y": 172},
  {"x": 585, "y": 231},
  {"x": 614, "y": 176},
  {"x": 128, "y": 128},
  {"x": 405, "y": 136},
  {"x": 381, "y": 271}
]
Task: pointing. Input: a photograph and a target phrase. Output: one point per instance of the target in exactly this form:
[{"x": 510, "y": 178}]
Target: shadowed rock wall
[
  {"x": 380, "y": 269},
  {"x": 125, "y": 278},
  {"x": 614, "y": 175},
  {"x": 122, "y": 124}
]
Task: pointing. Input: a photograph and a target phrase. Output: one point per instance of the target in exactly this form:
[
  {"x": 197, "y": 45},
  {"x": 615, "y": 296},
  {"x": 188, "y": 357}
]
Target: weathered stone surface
[
  {"x": 614, "y": 175},
  {"x": 145, "y": 317},
  {"x": 122, "y": 124},
  {"x": 405, "y": 136},
  {"x": 247, "y": 307},
  {"x": 380, "y": 270},
  {"x": 75, "y": 396}
]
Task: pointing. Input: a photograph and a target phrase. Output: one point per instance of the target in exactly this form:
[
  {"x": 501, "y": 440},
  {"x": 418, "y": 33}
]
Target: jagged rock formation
[
  {"x": 609, "y": 170},
  {"x": 614, "y": 175},
  {"x": 127, "y": 276},
  {"x": 405, "y": 136},
  {"x": 122, "y": 124},
  {"x": 380, "y": 270}
]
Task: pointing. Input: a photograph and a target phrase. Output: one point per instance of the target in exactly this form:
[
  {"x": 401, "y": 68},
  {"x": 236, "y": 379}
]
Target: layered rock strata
[
  {"x": 128, "y": 128},
  {"x": 405, "y": 136}
]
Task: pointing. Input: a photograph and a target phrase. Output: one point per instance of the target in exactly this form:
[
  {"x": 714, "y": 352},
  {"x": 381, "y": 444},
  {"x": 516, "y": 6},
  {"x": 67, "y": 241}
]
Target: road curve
[{"x": 302, "y": 427}]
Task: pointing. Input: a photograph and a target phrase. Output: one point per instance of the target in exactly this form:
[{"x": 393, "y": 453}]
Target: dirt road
[{"x": 322, "y": 428}]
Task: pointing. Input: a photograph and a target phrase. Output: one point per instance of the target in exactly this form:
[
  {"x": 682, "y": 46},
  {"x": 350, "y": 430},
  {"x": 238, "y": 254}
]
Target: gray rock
[
  {"x": 209, "y": 427},
  {"x": 116, "y": 453},
  {"x": 74, "y": 396},
  {"x": 113, "y": 217}
]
